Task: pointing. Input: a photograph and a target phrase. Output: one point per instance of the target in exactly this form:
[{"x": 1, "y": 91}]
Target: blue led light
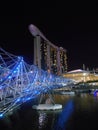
[
  {"x": 15, "y": 71},
  {"x": 1, "y": 115},
  {"x": 28, "y": 98},
  {"x": 19, "y": 57},
  {"x": 27, "y": 90},
  {"x": 18, "y": 100},
  {"x": 35, "y": 92},
  {"x": 9, "y": 77}
]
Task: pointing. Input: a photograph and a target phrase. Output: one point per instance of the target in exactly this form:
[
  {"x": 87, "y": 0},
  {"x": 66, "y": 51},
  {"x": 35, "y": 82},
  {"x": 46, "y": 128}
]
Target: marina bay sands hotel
[{"x": 48, "y": 56}]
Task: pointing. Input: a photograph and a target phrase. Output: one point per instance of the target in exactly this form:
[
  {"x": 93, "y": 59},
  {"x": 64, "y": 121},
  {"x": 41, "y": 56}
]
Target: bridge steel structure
[{"x": 20, "y": 82}]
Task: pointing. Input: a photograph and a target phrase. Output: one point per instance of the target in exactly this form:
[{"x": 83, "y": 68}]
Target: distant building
[
  {"x": 48, "y": 56},
  {"x": 81, "y": 76}
]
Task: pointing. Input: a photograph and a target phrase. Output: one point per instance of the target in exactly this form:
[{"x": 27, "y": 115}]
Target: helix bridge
[{"x": 20, "y": 82}]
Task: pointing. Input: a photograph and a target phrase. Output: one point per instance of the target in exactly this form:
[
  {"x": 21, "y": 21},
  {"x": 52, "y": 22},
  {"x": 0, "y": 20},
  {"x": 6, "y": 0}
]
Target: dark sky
[{"x": 73, "y": 26}]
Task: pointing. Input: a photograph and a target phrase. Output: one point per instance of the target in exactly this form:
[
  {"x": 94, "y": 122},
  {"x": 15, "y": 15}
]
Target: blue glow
[
  {"x": 27, "y": 90},
  {"x": 1, "y": 87},
  {"x": 15, "y": 71},
  {"x": 36, "y": 92},
  {"x": 28, "y": 98},
  {"x": 9, "y": 77},
  {"x": 18, "y": 100},
  {"x": 1, "y": 115},
  {"x": 0, "y": 79},
  {"x": 96, "y": 93},
  {"x": 17, "y": 68},
  {"x": 64, "y": 116},
  {"x": 19, "y": 57}
]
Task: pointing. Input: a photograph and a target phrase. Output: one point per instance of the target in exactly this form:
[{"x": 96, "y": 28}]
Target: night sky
[{"x": 73, "y": 26}]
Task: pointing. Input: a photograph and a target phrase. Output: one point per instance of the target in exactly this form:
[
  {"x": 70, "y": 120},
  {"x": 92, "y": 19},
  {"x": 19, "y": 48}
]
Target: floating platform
[
  {"x": 47, "y": 107},
  {"x": 69, "y": 93}
]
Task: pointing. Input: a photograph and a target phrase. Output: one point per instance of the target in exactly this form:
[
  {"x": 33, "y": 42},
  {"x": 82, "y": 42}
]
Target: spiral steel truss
[{"x": 20, "y": 82}]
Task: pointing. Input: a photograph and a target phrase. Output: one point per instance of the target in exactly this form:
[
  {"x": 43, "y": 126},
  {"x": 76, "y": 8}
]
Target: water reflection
[
  {"x": 79, "y": 113},
  {"x": 42, "y": 119},
  {"x": 64, "y": 116},
  {"x": 47, "y": 118},
  {"x": 11, "y": 121}
]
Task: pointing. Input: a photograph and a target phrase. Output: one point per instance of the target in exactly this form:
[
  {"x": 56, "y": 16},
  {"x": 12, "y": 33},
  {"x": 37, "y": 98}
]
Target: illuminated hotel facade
[{"x": 47, "y": 56}]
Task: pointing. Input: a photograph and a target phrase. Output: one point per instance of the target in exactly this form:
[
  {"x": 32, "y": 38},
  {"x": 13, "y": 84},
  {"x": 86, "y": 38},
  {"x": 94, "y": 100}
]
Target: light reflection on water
[
  {"x": 42, "y": 119},
  {"x": 64, "y": 116},
  {"x": 47, "y": 119},
  {"x": 79, "y": 112}
]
